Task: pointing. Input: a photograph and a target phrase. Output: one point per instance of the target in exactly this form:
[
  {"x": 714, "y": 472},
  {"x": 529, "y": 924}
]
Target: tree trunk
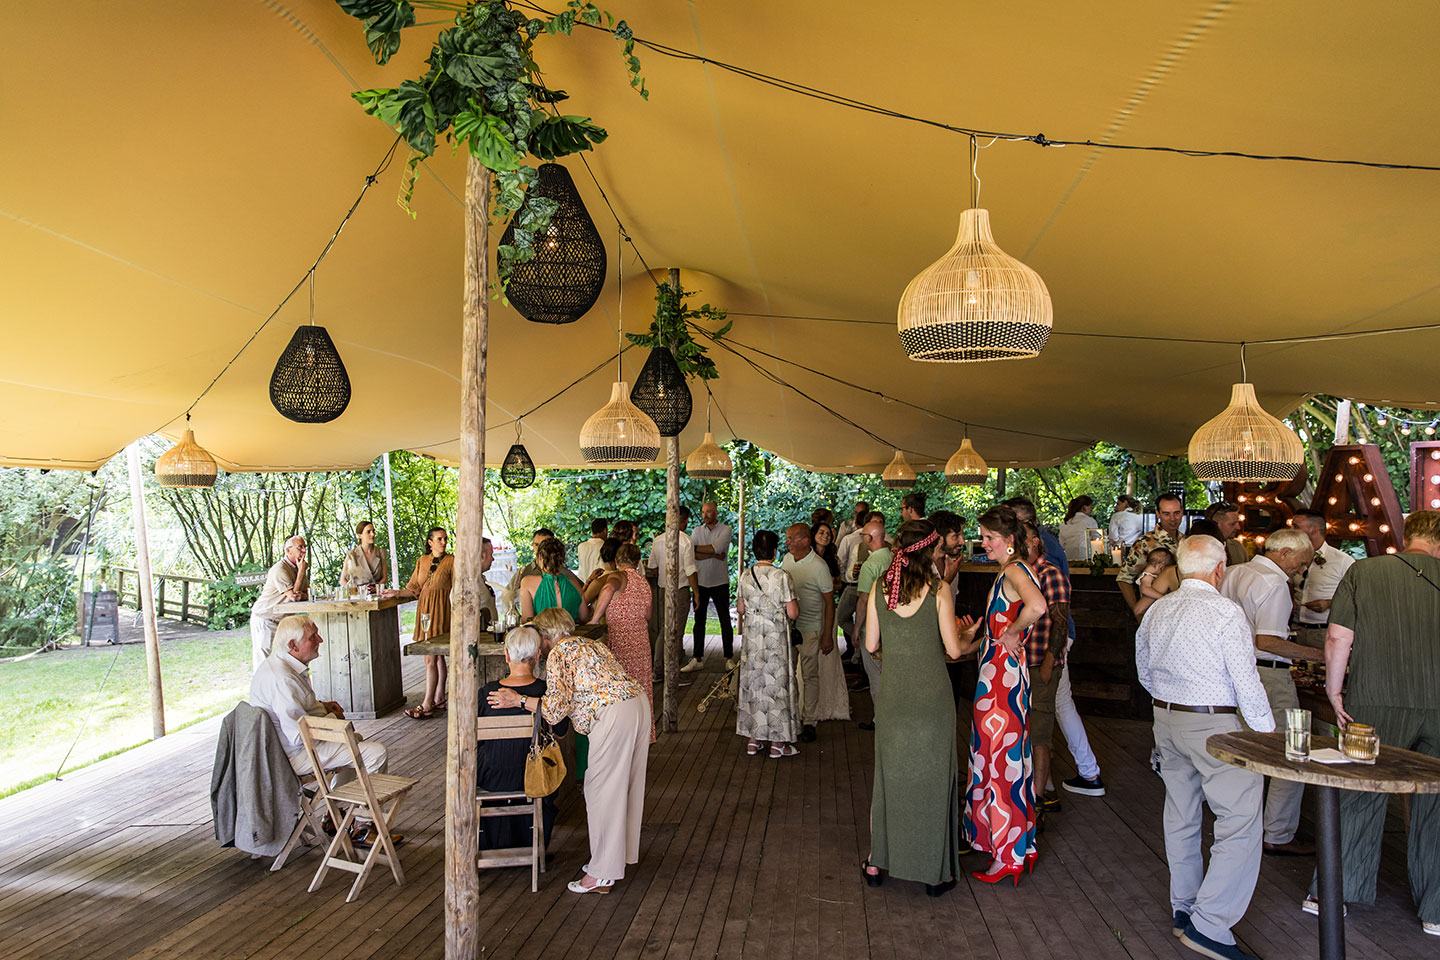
[
  {"x": 670, "y": 712},
  {"x": 462, "y": 875},
  {"x": 146, "y": 594}
]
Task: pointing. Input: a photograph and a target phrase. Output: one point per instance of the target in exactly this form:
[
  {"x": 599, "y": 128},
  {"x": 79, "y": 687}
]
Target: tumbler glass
[{"x": 1297, "y": 735}]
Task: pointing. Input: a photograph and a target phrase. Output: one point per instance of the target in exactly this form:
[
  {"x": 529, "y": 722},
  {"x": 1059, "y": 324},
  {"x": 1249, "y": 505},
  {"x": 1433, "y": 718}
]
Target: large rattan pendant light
[
  {"x": 1244, "y": 444},
  {"x": 309, "y": 383},
  {"x": 564, "y": 278},
  {"x": 965, "y": 466},
  {"x": 898, "y": 475},
  {"x": 708, "y": 461},
  {"x": 619, "y": 433},
  {"x": 517, "y": 471},
  {"x": 977, "y": 302},
  {"x": 661, "y": 391},
  {"x": 187, "y": 464}
]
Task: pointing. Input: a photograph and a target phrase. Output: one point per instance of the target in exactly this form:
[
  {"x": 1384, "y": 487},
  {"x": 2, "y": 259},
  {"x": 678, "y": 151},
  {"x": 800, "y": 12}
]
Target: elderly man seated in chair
[{"x": 281, "y": 687}]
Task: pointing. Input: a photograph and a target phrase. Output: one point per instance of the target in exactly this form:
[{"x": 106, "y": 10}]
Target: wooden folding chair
[
  {"x": 533, "y": 856},
  {"x": 365, "y": 796},
  {"x": 307, "y": 829}
]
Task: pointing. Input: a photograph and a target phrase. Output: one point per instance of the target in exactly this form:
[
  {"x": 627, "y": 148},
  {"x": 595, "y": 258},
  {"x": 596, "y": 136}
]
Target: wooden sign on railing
[{"x": 251, "y": 579}]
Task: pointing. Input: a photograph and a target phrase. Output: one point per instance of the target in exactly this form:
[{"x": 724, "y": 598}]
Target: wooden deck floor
[{"x": 742, "y": 858}]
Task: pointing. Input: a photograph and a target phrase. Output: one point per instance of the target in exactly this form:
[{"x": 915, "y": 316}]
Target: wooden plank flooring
[{"x": 741, "y": 858}]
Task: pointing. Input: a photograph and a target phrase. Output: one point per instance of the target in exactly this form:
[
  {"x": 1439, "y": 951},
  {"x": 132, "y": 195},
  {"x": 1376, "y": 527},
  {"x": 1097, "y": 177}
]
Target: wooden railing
[{"x": 192, "y": 605}]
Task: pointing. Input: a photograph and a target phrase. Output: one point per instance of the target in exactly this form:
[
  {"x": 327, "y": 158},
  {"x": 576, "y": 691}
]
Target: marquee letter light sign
[
  {"x": 1266, "y": 507},
  {"x": 1358, "y": 499}
]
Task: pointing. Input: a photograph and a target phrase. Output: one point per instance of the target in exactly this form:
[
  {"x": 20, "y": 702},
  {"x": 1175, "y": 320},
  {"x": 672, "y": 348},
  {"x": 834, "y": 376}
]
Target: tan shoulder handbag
[{"x": 544, "y": 766}]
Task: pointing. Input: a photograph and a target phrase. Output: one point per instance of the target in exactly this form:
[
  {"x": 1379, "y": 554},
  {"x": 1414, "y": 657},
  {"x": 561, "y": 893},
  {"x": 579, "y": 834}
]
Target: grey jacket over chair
[{"x": 254, "y": 792}]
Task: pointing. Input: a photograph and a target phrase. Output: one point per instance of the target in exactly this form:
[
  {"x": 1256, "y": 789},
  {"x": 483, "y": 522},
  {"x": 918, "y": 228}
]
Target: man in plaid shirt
[{"x": 1045, "y": 656}]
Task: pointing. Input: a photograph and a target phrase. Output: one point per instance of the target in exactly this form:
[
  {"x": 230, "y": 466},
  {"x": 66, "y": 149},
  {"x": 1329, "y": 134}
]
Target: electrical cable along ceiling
[{"x": 143, "y": 247}]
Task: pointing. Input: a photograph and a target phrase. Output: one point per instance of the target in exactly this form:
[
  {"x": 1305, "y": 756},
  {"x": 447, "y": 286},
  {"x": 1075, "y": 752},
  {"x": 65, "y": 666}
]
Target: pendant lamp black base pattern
[
  {"x": 661, "y": 391},
  {"x": 518, "y": 470},
  {"x": 310, "y": 384},
  {"x": 964, "y": 342},
  {"x": 563, "y": 281},
  {"x": 1244, "y": 471}
]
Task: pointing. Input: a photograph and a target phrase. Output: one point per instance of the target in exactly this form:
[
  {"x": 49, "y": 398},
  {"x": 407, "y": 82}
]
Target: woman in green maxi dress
[{"x": 915, "y": 803}]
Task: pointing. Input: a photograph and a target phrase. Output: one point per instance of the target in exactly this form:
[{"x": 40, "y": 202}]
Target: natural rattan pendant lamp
[
  {"x": 708, "y": 461},
  {"x": 661, "y": 391},
  {"x": 309, "y": 383},
  {"x": 965, "y": 466},
  {"x": 187, "y": 464},
  {"x": 1244, "y": 444},
  {"x": 898, "y": 475},
  {"x": 517, "y": 471},
  {"x": 619, "y": 433},
  {"x": 977, "y": 302},
  {"x": 564, "y": 278}
]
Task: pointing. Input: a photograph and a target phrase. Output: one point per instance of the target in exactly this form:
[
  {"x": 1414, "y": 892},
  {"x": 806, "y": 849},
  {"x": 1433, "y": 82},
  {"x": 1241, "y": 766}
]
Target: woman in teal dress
[
  {"x": 554, "y": 586},
  {"x": 915, "y": 802}
]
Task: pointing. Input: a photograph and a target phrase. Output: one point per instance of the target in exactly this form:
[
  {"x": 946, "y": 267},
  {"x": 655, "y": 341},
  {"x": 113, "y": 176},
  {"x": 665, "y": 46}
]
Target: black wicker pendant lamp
[
  {"x": 563, "y": 280},
  {"x": 661, "y": 391},
  {"x": 518, "y": 470},
  {"x": 309, "y": 383}
]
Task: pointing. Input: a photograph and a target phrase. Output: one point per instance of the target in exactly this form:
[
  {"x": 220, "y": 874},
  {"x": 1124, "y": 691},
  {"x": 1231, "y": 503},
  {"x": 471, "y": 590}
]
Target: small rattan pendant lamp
[
  {"x": 309, "y": 383},
  {"x": 708, "y": 461},
  {"x": 517, "y": 471},
  {"x": 898, "y": 475},
  {"x": 1244, "y": 444},
  {"x": 661, "y": 391},
  {"x": 619, "y": 433},
  {"x": 977, "y": 302},
  {"x": 965, "y": 466},
  {"x": 187, "y": 464}
]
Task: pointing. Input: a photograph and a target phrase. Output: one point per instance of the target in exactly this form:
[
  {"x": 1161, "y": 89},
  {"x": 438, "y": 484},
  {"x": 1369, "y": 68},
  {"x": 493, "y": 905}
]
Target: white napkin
[{"x": 1329, "y": 755}]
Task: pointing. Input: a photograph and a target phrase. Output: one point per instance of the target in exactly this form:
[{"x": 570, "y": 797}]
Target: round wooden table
[{"x": 1396, "y": 771}]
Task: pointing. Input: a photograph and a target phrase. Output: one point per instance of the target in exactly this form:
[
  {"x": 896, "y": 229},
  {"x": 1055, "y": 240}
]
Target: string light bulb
[
  {"x": 1369, "y": 478},
  {"x": 1384, "y": 528}
]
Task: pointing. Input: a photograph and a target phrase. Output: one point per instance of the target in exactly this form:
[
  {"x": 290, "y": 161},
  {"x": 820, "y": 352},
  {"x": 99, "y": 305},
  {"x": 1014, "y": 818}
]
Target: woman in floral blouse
[{"x": 587, "y": 684}]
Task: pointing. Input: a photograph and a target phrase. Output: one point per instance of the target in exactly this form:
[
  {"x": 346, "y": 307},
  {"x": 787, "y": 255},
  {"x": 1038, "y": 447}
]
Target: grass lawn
[{"x": 44, "y": 700}]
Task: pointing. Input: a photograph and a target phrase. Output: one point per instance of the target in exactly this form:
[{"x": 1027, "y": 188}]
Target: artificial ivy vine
[{"x": 484, "y": 89}]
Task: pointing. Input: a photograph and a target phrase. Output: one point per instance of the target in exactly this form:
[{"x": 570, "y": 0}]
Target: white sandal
[
  {"x": 601, "y": 886},
  {"x": 788, "y": 750}
]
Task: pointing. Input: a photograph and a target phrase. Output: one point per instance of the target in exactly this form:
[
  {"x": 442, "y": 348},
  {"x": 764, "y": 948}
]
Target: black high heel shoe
[
  {"x": 939, "y": 889},
  {"x": 871, "y": 879}
]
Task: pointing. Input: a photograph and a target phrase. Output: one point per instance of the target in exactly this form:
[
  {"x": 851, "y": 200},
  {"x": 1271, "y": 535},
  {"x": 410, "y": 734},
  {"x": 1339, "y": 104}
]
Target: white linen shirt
[
  {"x": 1263, "y": 592},
  {"x": 589, "y": 554},
  {"x": 713, "y": 571},
  {"x": 1195, "y": 648},
  {"x": 1126, "y": 526},
  {"x": 848, "y": 548},
  {"x": 278, "y": 580},
  {"x": 281, "y": 687},
  {"x": 1073, "y": 539},
  {"x": 687, "y": 558},
  {"x": 812, "y": 581},
  {"x": 1321, "y": 581}
]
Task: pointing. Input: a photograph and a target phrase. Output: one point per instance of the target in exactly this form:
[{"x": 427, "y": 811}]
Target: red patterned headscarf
[{"x": 900, "y": 562}]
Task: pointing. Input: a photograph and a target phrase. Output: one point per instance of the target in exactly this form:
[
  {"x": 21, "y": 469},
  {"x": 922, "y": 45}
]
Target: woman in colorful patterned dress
[
  {"x": 767, "y": 707},
  {"x": 626, "y": 612},
  {"x": 1000, "y": 801}
]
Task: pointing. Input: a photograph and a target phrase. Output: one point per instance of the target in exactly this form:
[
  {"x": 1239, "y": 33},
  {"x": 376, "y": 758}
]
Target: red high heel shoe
[
  {"x": 1011, "y": 871},
  {"x": 1030, "y": 859}
]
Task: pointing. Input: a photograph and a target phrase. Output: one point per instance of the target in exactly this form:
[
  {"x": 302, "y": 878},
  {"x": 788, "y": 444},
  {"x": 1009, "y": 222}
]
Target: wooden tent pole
[
  {"x": 390, "y": 525},
  {"x": 462, "y": 873},
  {"x": 146, "y": 594},
  {"x": 670, "y": 711}
]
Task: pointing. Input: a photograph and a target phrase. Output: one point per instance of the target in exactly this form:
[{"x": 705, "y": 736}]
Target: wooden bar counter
[
  {"x": 1102, "y": 663},
  {"x": 359, "y": 662}
]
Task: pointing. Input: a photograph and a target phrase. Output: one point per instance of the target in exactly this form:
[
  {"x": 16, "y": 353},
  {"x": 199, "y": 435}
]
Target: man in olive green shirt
[{"x": 1385, "y": 625}]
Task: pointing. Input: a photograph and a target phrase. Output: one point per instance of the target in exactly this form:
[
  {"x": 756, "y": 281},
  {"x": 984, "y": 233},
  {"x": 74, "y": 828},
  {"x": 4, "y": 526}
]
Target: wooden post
[
  {"x": 670, "y": 711},
  {"x": 390, "y": 524},
  {"x": 145, "y": 595},
  {"x": 462, "y": 872}
]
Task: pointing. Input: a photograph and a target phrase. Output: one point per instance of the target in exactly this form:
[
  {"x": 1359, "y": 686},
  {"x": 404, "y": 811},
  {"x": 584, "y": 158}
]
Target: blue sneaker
[
  {"x": 1182, "y": 920},
  {"x": 1202, "y": 944}
]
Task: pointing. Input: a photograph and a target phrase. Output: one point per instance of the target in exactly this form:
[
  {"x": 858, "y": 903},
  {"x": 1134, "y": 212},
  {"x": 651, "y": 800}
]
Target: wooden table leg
[{"x": 1330, "y": 886}]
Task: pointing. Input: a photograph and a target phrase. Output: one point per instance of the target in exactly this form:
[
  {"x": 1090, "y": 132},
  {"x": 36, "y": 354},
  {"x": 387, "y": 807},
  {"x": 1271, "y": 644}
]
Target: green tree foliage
[{"x": 42, "y": 519}]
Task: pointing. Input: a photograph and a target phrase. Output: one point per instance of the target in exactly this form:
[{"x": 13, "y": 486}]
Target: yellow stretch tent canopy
[{"x": 172, "y": 168}]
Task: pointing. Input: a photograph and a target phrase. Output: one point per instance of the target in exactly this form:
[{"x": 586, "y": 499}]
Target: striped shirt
[{"x": 1395, "y": 614}]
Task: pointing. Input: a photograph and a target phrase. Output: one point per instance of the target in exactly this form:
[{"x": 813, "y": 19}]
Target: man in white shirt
[
  {"x": 712, "y": 552},
  {"x": 851, "y": 552},
  {"x": 1321, "y": 580},
  {"x": 589, "y": 550},
  {"x": 1262, "y": 589},
  {"x": 857, "y": 520},
  {"x": 815, "y": 592},
  {"x": 658, "y": 569},
  {"x": 287, "y": 581},
  {"x": 912, "y": 506},
  {"x": 281, "y": 687},
  {"x": 1126, "y": 524},
  {"x": 1195, "y": 656}
]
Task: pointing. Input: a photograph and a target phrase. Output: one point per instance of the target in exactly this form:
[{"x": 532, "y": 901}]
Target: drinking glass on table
[
  {"x": 424, "y": 625},
  {"x": 1297, "y": 735}
]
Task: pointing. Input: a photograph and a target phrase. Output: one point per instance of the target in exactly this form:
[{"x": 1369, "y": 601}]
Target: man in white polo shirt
[
  {"x": 1321, "y": 580},
  {"x": 815, "y": 592},
  {"x": 1262, "y": 589}
]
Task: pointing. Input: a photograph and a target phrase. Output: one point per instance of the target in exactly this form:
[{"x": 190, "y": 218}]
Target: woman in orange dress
[
  {"x": 430, "y": 584},
  {"x": 624, "y": 605}
]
